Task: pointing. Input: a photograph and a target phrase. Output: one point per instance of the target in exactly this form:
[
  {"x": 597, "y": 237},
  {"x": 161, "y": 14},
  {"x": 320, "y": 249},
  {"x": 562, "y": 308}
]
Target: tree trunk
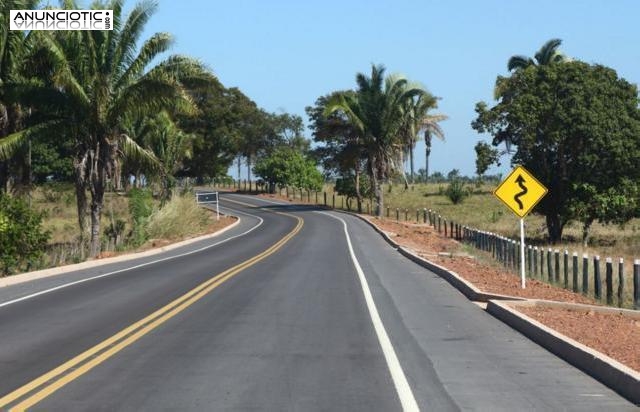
[
  {"x": 81, "y": 200},
  {"x": 239, "y": 168},
  {"x": 585, "y": 231},
  {"x": 96, "y": 215},
  {"x": 377, "y": 189},
  {"x": 358, "y": 194},
  {"x": 554, "y": 228},
  {"x": 411, "y": 169},
  {"x": 249, "y": 171},
  {"x": 427, "y": 151}
]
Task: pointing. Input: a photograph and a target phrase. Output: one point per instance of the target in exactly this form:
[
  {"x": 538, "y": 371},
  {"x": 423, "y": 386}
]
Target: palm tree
[
  {"x": 547, "y": 54},
  {"x": 419, "y": 119},
  {"x": 431, "y": 127},
  {"x": 97, "y": 80},
  {"x": 377, "y": 112},
  {"x": 13, "y": 48}
]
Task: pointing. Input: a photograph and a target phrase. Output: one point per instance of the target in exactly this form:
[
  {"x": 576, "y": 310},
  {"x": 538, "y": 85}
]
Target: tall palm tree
[
  {"x": 377, "y": 112},
  {"x": 419, "y": 119},
  {"x": 547, "y": 54},
  {"x": 431, "y": 127},
  {"x": 13, "y": 48},
  {"x": 99, "y": 80}
]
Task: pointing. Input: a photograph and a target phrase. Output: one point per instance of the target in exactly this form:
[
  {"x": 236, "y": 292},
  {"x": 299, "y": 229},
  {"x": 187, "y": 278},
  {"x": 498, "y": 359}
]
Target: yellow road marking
[{"x": 129, "y": 335}]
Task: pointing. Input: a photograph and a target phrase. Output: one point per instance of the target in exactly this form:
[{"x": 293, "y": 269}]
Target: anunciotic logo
[{"x": 61, "y": 19}]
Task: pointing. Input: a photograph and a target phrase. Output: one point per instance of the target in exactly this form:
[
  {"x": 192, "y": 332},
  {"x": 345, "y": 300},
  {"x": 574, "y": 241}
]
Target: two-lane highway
[{"x": 311, "y": 310}]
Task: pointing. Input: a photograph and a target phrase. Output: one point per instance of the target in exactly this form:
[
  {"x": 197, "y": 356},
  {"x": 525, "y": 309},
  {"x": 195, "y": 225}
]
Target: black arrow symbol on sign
[{"x": 520, "y": 182}]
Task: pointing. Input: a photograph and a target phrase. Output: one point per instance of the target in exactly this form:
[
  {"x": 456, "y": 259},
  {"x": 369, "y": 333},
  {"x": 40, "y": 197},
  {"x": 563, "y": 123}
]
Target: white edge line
[
  {"x": 403, "y": 389},
  {"x": 66, "y": 285}
]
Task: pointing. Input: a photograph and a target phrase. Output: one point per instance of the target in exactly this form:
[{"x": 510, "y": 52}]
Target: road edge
[
  {"x": 613, "y": 374},
  {"x": 610, "y": 372},
  {"x": 59, "y": 270}
]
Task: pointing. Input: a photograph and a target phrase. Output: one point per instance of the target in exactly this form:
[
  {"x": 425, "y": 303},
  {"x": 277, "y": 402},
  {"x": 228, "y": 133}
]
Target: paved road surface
[{"x": 292, "y": 331}]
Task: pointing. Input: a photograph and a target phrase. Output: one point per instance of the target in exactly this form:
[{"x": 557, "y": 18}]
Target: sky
[{"x": 284, "y": 54}]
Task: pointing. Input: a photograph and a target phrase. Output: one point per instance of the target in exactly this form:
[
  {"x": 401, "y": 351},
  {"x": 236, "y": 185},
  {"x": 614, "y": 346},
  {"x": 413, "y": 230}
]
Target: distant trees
[
  {"x": 485, "y": 157},
  {"x": 576, "y": 127},
  {"x": 97, "y": 107},
  {"x": 287, "y": 167},
  {"x": 379, "y": 112}
]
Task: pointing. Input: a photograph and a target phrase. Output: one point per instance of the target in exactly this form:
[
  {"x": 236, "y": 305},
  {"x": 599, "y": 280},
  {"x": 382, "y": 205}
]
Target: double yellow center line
[{"x": 38, "y": 389}]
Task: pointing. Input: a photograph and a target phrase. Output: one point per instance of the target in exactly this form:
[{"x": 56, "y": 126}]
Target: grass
[{"x": 179, "y": 218}]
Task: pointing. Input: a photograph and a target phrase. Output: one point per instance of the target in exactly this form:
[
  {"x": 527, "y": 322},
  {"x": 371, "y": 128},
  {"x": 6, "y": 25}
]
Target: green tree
[
  {"x": 577, "y": 129},
  {"x": 341, "y": 150},
  {"x": 15, "y": 159},
  {"x": 485, "y": 157},
  {"x": 22, "y": 239},
  {"x": 377, "y": 112},
  {"x": 287, "y": 167},
  {"x": 97, "y": 80}
]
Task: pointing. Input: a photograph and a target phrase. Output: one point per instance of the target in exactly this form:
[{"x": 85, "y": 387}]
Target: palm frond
[
  {"x": 519, "y": 62},
  {"x": 135, "y": 153},
  {"x": 131, "y": 31},
  {"x": 158, "y": 43},
  {"x": 547, "y": 52}
]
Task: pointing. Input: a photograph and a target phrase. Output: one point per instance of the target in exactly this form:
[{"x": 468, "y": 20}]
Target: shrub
[
  {"x": 140, "y": 207},
  {"x": 22, "y": 239},
  {"x": 456, "y": 191},
  {"x": 179, "y": 217}
]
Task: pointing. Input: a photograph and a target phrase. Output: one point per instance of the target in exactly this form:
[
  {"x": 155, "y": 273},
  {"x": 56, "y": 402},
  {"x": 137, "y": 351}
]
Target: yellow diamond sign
[{"x": 520, "y": 191}]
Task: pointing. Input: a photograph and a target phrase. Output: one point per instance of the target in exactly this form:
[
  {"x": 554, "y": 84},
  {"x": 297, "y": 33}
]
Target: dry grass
[{"x": 180, "y": 217}]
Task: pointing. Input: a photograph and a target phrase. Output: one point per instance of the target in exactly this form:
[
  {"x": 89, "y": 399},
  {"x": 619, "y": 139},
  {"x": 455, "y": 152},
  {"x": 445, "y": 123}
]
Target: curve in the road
[{"x": 55, "y": 379}]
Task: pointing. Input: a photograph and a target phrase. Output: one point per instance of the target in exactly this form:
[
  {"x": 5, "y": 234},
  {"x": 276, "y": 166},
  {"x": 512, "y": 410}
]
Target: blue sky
[{"x": 284, "y": 54}]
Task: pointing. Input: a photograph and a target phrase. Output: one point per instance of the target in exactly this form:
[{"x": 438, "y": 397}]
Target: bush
[
  {"x": 140, "y": 207},
  {"x": 22, "y": 239},
  {"x": 179, "y": 217},
  {"x": 456, "y": 191}
]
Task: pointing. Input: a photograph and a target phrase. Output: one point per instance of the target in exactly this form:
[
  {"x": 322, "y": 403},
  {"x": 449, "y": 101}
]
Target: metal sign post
[
  {"x": 209, "y": 198},
  {"x": 520, "y": 191}
]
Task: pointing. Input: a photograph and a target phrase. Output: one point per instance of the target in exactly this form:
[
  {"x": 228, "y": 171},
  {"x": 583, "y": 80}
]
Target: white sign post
[{"x": 208, "y": 198}]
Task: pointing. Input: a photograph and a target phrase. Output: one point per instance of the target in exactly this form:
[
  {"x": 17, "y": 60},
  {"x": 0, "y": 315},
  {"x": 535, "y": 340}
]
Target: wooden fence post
[
  {"x": 620, "y": 282},
  {"x": 424, "y": 215},
  {"x": 535, "y": 261},
  {"x": 636, "y": 284},
  {"x": 585, "y": 274},
  {"x": 556, "y": 270},
  {"x": 397, "y": 214},
  {"x": 445, "y": 228},
  {"x": 566, "y": 269},
  {"x": 575, "y": 271},
  {"x": 608, "y": 274},
  {"x": 549, "y": 266},
  {"x": 597, "y": 281}
]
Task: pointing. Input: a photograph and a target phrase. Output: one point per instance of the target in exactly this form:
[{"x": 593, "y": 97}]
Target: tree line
[{"x": 105, "y": 111}]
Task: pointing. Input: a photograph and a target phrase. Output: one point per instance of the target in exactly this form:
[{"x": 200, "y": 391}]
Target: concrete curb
[
  {"x": 610, "y": 372},
  {"x": 39, "y": 274}
]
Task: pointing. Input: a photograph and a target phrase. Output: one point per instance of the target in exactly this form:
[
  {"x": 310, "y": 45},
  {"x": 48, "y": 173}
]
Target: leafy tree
[
  {"x": 377, "y": 112},
  {"x": 577, "y": 128},
  {"x": 96, "y": 80},
  {"x": 22, "y": 239},
  {"x": 342, "y": 151},
  {"x": 287, "y": 167},
  {"x": 485, "y": 157}
]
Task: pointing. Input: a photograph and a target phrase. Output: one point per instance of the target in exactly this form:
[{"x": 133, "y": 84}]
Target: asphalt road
[{"x": 298, "y": 326}]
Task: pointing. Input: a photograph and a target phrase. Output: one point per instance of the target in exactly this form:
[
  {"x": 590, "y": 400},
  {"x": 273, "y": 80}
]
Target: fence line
[{"x": 552, "y": 266}]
